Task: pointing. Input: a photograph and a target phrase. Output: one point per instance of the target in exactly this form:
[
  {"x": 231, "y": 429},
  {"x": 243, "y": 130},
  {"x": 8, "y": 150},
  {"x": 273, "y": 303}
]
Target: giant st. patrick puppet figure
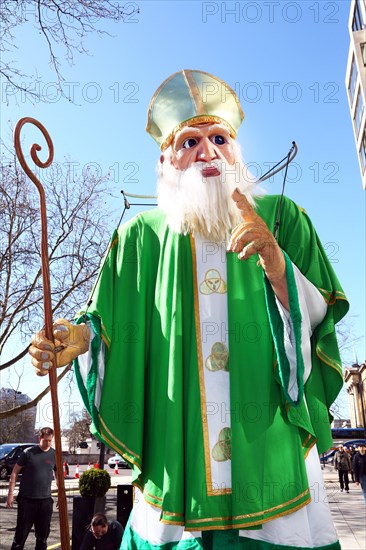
[{"x": 208, "y": 356}]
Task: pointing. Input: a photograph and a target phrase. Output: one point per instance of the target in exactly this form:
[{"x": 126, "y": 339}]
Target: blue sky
[{"x": 286, "y": 61}]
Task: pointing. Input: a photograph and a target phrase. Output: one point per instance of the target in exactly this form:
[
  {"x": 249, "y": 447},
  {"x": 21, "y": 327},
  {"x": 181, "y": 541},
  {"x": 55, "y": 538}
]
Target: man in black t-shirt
[{"x": 35, "y": 504}]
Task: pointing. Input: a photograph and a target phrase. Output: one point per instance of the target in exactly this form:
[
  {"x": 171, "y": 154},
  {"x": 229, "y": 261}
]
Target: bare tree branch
[
  {"x": 64, "y": 25},
  {"x": 34, "y": 402},
  {"x": 78, "y": 225},
  {"x": 79, "y": 431},
  {"x": 15, "y": 359}
]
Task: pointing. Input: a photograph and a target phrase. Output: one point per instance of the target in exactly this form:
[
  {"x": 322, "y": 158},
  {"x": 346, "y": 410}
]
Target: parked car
[
  {"x": 120, "y": 461},
  {"x": 9, "y": 454}
]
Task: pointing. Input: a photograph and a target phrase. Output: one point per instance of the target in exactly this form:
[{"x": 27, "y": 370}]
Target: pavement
[{"x": 348, "y": 511}]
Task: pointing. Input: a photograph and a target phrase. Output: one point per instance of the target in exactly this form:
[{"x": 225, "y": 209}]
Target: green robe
[{"x": 149, "y": 405}]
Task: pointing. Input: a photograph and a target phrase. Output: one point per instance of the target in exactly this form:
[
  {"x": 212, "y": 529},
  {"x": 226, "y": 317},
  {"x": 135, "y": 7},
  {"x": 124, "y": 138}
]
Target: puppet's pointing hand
[
  {"x": 70, "y": 341},
  {"x": 253, "y": 236}
]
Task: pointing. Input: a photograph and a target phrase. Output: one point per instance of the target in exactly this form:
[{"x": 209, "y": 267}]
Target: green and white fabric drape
[{"x": 146, "y": 395}]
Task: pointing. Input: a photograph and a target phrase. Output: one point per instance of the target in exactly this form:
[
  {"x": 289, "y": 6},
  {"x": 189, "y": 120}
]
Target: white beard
[{"x": 203, "y": 206}]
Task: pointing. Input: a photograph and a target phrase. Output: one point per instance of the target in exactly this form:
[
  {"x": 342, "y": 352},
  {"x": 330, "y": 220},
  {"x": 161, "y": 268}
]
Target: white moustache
[{"x": 199, "y": 166}]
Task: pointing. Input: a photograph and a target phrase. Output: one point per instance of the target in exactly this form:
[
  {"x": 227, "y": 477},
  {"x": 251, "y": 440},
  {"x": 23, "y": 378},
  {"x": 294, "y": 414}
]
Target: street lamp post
[{"x": 101, "y": 455}]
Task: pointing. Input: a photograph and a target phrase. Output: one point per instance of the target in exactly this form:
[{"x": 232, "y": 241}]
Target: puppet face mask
[{"x": 204, "y": 143}]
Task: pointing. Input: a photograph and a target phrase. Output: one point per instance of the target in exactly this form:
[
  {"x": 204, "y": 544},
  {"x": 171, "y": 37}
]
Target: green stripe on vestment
[{"x": 277, "y": 329}]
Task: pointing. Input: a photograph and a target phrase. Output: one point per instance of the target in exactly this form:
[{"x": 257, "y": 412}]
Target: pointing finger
[{"x": 244, "y": 205}]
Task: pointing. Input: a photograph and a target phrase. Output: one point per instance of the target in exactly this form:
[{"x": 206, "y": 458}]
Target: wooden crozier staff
[{"x": 62, "y": 506}]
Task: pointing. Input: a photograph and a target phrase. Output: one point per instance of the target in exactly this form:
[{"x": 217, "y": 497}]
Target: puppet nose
[{"x": 206, "y": 151}]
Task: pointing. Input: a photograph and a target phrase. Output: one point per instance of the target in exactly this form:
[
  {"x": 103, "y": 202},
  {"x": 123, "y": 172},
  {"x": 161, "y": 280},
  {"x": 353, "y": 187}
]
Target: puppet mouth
[{"x": 210, "y": 171}]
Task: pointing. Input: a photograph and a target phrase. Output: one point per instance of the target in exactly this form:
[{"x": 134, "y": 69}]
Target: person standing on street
[
  {"x": 359, "y": 468},
  {"x": 352, "y": 451},
  {"x": 35, "y": 504},
  {"x": 342, "y": 463}
]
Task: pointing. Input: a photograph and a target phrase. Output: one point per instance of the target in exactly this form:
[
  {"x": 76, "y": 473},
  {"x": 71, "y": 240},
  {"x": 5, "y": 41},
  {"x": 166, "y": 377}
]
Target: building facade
[
  {"x": 355, "y": 379},
  {"x": 356, "y": 79}
]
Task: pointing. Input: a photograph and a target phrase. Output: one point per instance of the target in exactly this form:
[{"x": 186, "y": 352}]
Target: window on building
[
  {"x": 352, "y": 80},
  {"x": 358, "y": 112},
  {"x": 363, "y": 152},
  {"x": 363, "y": 53},
  {"x": 358, "y": 22}
]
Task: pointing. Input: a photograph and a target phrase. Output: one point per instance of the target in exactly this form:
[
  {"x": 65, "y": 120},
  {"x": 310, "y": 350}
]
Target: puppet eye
[
  {"x": 219, "y": 140},
  {"x": 189, "y": 143}
]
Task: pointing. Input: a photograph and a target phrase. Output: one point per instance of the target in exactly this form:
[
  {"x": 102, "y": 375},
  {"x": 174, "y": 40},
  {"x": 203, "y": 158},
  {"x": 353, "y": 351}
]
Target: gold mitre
[{"x": 188, "y": 98}]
